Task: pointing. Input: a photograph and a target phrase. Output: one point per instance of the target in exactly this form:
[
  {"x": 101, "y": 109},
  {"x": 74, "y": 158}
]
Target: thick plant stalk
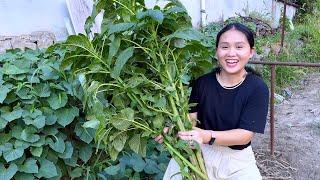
[
  {"x": 197, "y": 157},
  {"x": 195, "y": 169}
]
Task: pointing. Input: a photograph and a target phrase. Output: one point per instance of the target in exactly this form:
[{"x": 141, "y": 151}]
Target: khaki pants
[{"x": 222, "y": 163}]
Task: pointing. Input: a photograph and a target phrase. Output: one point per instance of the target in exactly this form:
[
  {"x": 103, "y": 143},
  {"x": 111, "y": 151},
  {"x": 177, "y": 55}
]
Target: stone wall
[{"x": 35, "y": 40}]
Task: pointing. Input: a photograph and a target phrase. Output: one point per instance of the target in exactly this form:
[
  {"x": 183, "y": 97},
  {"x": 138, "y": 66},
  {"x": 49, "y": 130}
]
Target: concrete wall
[
  {"x": 34, "y": 40},
  {"x": 217, "y": 10},
  {"x": 18, "y": 17}
]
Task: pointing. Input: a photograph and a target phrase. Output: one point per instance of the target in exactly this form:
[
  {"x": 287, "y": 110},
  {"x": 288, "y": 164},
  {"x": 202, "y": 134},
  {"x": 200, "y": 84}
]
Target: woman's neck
[{"x": 230, "y": 80}]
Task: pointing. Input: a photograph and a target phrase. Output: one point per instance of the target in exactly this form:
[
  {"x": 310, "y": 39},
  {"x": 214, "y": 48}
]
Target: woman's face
[{"x": 233, "y": 51}]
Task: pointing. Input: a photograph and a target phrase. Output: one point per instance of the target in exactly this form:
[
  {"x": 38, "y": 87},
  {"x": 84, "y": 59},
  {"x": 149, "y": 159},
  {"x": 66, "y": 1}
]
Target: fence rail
[{"x": 272, "y": 89}]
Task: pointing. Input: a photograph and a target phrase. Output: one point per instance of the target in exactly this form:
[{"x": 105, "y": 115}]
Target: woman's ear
[
  {"x": 253, "y": 52},
  {"x": 215, "y": 56}
]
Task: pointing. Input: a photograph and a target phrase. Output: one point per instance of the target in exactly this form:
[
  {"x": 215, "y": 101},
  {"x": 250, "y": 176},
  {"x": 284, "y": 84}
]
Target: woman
[{"x": 232, "y": 105}]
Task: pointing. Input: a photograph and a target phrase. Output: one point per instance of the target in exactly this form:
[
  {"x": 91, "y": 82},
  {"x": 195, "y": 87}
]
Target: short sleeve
[
  {"x": 194, "y": 98},
  {"x": 254, "y": 114}
]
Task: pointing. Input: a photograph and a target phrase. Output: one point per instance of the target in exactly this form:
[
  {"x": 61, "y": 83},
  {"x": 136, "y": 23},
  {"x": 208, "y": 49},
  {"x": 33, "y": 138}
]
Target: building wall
[
  {"x": 217, "y": 10},
  {"x": 18, "y": 17}
]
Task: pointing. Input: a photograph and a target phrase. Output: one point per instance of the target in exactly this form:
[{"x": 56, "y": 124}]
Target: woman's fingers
[
  {"x": 159, "y": 138},
  {"x": 165, "y": 130}
]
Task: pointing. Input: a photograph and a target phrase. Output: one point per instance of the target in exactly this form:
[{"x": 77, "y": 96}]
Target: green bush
[{"x": 42, "y": 130}]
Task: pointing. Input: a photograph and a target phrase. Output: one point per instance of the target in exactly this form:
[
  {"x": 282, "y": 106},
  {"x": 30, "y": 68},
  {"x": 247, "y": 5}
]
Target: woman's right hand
[{"x": 159, "y": 138}]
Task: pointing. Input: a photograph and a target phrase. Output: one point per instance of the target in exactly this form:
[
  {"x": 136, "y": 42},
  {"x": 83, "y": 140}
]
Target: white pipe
[{"x": 203, "y": 13}]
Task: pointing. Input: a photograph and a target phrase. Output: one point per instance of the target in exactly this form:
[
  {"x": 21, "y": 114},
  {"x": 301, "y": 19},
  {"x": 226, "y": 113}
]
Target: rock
[
  {"x": 43, "y": 39},
  {"x": 287, "y": 93},
  {"x": 22, "y": 44},
  {"x": 278, "y": 98},
  {"x": 37, "y": 39},
  {"x": 4, "y": 45},
  {"x": 316, "y": 112}
]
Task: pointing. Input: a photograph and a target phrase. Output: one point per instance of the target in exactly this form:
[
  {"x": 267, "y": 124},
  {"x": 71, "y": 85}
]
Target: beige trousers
[{"x": 222, "y": 163}]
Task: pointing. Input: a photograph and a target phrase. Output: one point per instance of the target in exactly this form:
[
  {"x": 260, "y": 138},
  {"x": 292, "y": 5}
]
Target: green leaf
[
  {"x": 10, "y": 116},
  {"x": 156, "y": 15},
  {"x": 42, "y": 90},
  {"x": 8, "y": 173},
  {"x": 8, "y": 56},
  {"x": 39, "y": 143},
  {"x": 73, "y": 160},
  {"x": 23, "y": 176},
  {"x": 123, "y": 120},
  {"x": 175, "y": 9},
  {"x": 58, "y": 100},
  {"x": 67, "y": 115},
  {"x": 134, "y": 143},
  {"x": 13, "y": 154},
  {"x": 39, "y": 122},
  {"x": 186, "y": 34},
  {"x": 161, "y": 103},
  {"x": 113, "y": 48},
  {"x": 4, "y": 138},
  {"x": 137, "y": 162},
  {"x": 21, "y": 144},
  {"x": 80, "y": 41},
  {"x": 24, "y": 93},
  {"x": 47, "y": 169},
  {"x": 115, "y": 28},
  {"x": 119, "y": 141},
  {"x": 11, "y": 69},
  {"x": 112, "y": 170},
  {"x": 85, "y": 153},
  {"x": 16, "y": 131},
  {"x": 4, "y": 90},
  {"x": 28, "y": 135},
  {"x": 113, "y": 153},
  {"x": 30, "y": 166},
  {"x": 36, "y": 151},
  {"x": 151, "y": 167},
  {"x": 51, "y": 118},
  {"x": 158, "y": 122},
  {"x": 48, "y": 73},
  {"x": 94, "y": 124},
  {"x": 5, "y": 147},
  {"x": 77, "y": 172},
  {"x": 33, "y": 79},
  {"x": 57, "y": 145},
  {"x": 3, "y": 123},
  {"x": 85, "y": 134},
  {"x": 121, "y": 61},
  {"x": 68, "y": 151}
]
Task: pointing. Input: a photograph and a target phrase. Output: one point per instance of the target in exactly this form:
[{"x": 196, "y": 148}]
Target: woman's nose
[{"x": 232, "y": 52}]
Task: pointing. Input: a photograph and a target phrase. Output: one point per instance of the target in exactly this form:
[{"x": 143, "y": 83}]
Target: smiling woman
[{"x": 232, "y": 105}]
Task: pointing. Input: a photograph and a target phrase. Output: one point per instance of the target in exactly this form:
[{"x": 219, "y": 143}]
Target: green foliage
[
  {"x": 41, "y": 131},
  {"x": 136, "y": 76},
  {"x": 132, "y": 164}
]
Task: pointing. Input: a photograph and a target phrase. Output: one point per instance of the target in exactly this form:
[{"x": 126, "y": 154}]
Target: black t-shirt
[{"x": 219, "y": 109}]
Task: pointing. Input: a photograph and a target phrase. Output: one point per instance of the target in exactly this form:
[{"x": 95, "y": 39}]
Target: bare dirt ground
[{"x": 297, "y": 135}]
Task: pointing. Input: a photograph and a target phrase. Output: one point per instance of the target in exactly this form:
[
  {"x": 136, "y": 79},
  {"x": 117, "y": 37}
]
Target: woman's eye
[
  {"x": 224, "y": 47},
  {"x": 239, "y": 47}
]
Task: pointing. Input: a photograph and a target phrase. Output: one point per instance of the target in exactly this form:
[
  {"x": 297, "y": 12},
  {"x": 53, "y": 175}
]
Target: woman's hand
[
  {"x": 199, "y": 135},
  {"x": 159, "y": 138}
]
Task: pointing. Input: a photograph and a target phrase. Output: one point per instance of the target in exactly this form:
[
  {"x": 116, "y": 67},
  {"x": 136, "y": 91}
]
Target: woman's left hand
[{"x": 199, "y": 135}]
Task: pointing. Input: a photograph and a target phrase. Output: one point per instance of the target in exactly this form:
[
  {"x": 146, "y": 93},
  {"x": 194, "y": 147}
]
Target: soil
[{"x": 297, "y": 135}]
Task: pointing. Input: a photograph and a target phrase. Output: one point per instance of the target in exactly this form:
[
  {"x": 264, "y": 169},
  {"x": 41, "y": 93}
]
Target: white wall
[
  {"x": 19, "y": 17},
  {"x": 217, "y": 10}
]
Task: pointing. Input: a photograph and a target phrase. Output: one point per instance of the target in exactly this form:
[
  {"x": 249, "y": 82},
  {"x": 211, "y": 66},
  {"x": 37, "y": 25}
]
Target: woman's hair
[{"x": 240, "y": 27}]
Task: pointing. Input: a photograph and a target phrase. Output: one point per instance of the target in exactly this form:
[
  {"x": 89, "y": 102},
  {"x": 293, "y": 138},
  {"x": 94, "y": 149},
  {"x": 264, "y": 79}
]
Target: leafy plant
[
  {"x": 42, "y": 132},
  {"x": 136, "y": 75}
]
